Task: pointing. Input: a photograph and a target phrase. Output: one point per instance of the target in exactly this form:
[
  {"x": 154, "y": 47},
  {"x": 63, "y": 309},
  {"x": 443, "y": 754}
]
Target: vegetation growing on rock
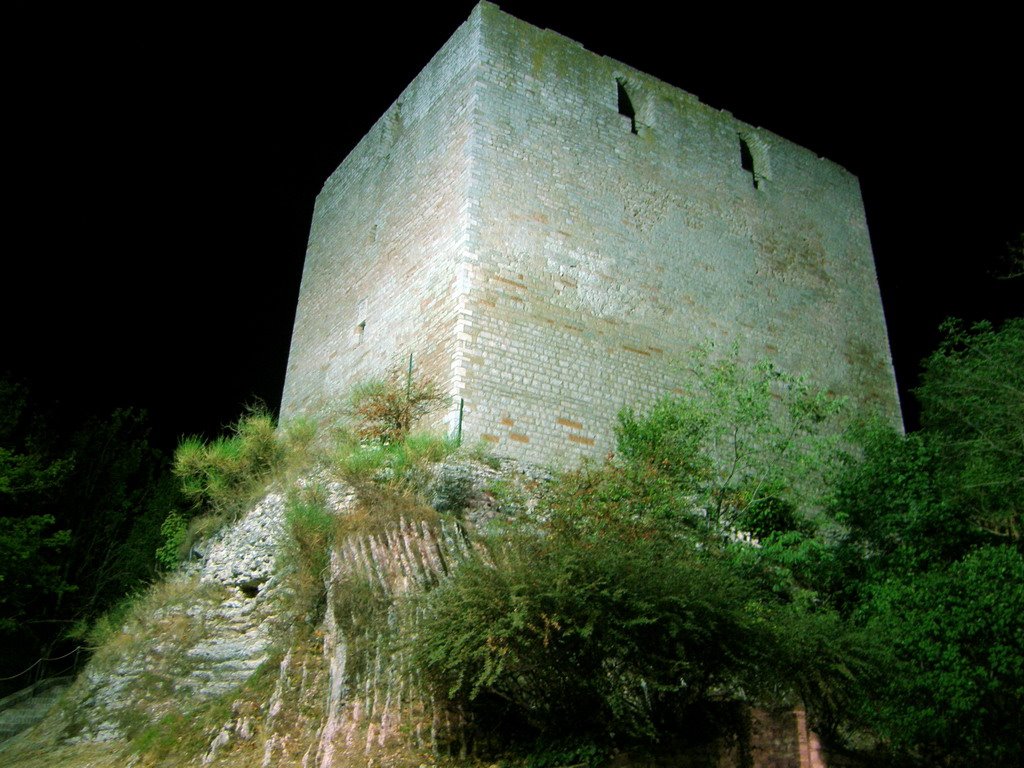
[{"x": 409, "y": 601}]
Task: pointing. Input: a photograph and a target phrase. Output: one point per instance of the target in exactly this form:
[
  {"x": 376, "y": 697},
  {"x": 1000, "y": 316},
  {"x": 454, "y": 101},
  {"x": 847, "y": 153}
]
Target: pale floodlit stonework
[{"x": 550, "y": 232}]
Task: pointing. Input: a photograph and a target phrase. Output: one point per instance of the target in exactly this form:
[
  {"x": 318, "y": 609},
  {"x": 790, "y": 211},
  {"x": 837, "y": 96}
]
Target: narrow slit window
[
  {"x": 626, "y": 106},
  {"x": 360, "y": 329},
  {"x": 747, "y": 161}
]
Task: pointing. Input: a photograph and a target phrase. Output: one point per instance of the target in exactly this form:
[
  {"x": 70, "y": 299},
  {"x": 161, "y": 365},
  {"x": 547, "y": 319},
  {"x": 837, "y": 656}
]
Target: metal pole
[{"x": 408, "y": 381}]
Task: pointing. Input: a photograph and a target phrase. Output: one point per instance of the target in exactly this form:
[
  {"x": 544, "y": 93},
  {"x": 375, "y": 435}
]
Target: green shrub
[
  {"x": 299, "y": 437},
  {"x": 222, "y": 474},
  {"x": 606, "y": 635},
  {"x": 422, "y": 447},
  {"x": 385, "y": 410},
  {"x": 412, "y": 459},
  {"x": 624, "y": 607},
  {"x": 262, "y": 449},
  {"x": 359, "y": 465},
  {"x": 173, "y": 531},
  {"x": 585, "y": 621},
  {"x": 191, "y": 467}
]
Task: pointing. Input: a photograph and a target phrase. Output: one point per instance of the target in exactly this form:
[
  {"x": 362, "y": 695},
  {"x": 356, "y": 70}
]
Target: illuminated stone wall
[
  {"x": 387, "y": 239},
  {"x": 552, "y": 232}
]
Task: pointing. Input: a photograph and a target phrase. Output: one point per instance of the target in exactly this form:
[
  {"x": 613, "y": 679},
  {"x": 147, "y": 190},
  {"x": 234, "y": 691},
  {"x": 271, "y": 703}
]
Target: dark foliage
[{"x": 81, "y": 502}]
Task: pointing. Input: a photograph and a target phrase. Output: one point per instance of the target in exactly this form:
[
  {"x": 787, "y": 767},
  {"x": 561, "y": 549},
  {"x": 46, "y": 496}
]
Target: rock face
[
  {"x": 224, "y": 663},
  {"x": 244, "y": 555},
  {"x": 198, "y": 637}
]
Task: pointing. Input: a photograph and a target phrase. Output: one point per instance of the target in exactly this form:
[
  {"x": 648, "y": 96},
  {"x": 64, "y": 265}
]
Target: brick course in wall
[{"x": 551, "y": 233}]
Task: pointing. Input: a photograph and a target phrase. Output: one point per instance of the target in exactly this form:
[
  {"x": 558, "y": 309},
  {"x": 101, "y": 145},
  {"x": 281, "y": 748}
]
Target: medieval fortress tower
[{"x": 551, "y": 232}]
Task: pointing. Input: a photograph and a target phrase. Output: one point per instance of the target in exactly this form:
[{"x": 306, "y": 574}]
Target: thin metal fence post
[{"x": 408, "y": 381}]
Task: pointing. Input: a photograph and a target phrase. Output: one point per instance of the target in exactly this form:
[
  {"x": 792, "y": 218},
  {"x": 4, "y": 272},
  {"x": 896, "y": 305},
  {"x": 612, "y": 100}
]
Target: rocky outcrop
[
  {"x": 196, "y": 638},
  {"x": 229, "y": 663},
  {"x": 219, "y": 655}
]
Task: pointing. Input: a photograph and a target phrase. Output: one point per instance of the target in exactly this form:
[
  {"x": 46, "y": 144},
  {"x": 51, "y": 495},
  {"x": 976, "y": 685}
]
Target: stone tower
[{"x": 548, "y": 231}]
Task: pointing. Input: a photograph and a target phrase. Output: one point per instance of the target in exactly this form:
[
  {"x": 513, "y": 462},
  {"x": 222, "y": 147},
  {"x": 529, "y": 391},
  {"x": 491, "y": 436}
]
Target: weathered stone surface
[
  {"x": 548, "y": 259},
  {"x": 203, "y": 639},
  {"x": 243, "y": 555}
]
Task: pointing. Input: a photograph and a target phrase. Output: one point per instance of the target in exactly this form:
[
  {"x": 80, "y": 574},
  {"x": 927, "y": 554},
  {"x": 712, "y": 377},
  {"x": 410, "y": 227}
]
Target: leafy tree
[
  {"x": 31, "y": 477},
  {"x": 891, "y": 498},
  {"x": 628, "y": 606},
  {"x": 954, "y": 687},
  {"x": 30, "y": 571},
  {"x": 972, "y": 409},
  {"x": 77, "y": 520},
  {"x": 737, "y": 443},
  {"x": 929, "y": 562},
  {"x": 106, "y": 504}
]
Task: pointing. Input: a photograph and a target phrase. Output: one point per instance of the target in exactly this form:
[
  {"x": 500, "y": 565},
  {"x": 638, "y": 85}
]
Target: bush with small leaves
[
  {"x": 173, "y": 531},
  {"x": 385, "y": 410}
]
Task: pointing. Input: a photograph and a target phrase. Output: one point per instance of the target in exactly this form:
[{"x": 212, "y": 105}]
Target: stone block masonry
[{"x": 551, "y": 232}]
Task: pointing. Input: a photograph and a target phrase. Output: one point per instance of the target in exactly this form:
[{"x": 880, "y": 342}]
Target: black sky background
[{"x": 161, "y": 163}]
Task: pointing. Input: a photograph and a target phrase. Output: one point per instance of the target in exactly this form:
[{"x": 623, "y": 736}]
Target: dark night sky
[{"x": 161, "y": 166}]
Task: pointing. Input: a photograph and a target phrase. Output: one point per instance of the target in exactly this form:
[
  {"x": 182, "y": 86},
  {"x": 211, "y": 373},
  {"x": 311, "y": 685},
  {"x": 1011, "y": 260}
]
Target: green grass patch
[
  {"x": 312, "y": 530},
  {"x": 405, "y": 464}
]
